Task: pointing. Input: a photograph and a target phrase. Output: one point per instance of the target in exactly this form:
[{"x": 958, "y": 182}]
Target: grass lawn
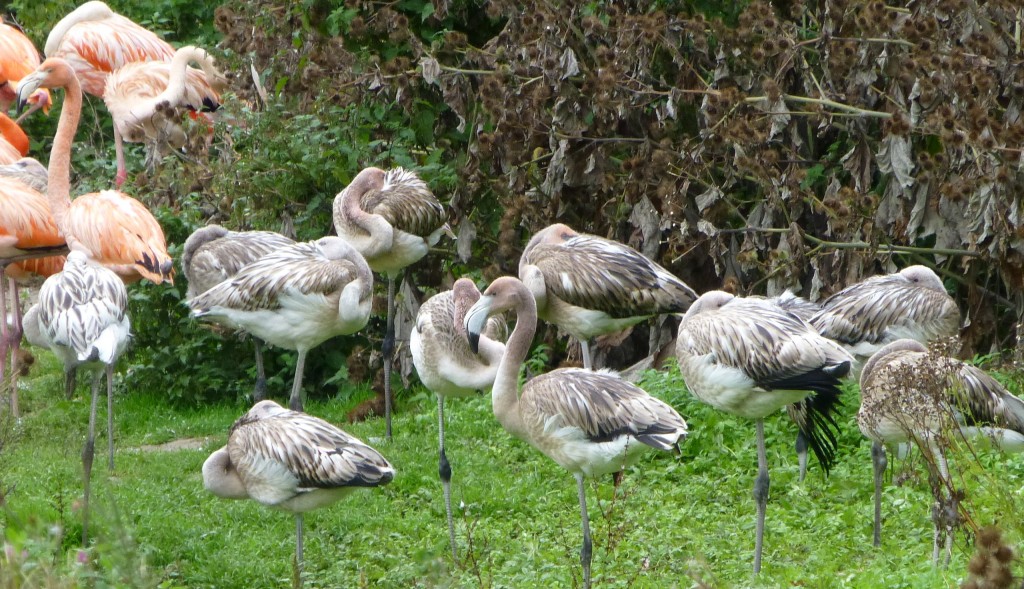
[{"x": 677, "y": 521}]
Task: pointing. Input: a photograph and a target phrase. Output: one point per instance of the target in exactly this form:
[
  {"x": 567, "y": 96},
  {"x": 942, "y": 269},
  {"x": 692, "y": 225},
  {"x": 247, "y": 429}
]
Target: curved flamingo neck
[
  {"x": 175, "y": 91},
  {"x": 87, "y": 12},
  {"x": 378, "y": 234},
  {"x": 505, "y": 393},
  {"x": 13, "y": 134},
  {"x": 58, "y": 192}
]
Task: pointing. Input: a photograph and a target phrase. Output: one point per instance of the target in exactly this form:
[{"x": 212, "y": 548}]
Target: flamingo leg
[
  {"x": 585, "y": 348},
  {"x": 444, "y": 469},
  {"x": 296, "y": 402},
  {"x": 298, "y": 551},
  {"x": 879, "y": 462},
  {"x": 15, "y": 344},
  {"x": 110, "y": 415},
  {"x": 586, "y": 551},
  {"x": 389, "y": 352},
  {"x": 122, "y": 169},
  {"x": 3, "y": 334},
  {"x": 801, "y": 453},
  {"x": 70, "y": 381},
  {"x": 761, "y": 485},
  {"x": 260, "y": 391},
  {"x": 87, "y": 455}
]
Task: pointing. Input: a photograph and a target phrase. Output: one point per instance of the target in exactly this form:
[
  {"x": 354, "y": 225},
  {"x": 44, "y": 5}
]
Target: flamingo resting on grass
[
  {"x": 909, "y": 394},
  {"x": 292, "y": 461},
  {"x": 589, "y": 422},
  {"x": 392, "y": 218},
  {"x": 750, "y": 357}
]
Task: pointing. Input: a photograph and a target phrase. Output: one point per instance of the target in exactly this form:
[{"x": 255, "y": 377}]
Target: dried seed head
[{"x": 978, "y": 565}]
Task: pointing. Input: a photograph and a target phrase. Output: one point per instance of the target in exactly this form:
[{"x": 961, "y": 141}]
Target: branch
[
  {"x": 860, "y": 245},
  {"x": 824, "y": 102}
]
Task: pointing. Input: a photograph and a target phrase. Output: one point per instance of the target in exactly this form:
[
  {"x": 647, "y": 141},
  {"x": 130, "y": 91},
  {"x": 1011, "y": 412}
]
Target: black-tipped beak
[
  {"x": 28, "y": 85},
  {"x": 476, "y": 319}
]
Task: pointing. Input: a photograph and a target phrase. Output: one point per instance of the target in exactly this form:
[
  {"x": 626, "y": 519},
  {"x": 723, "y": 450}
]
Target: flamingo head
[{"x": 52, "y": 73}]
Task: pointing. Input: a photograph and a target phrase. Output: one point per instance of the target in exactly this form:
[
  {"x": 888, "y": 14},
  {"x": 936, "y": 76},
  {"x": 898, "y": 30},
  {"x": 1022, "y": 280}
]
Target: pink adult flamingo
[
  {"x": 110, "y": 226},
  {"x": 97, "y": 41},
  {"x": 26, "y": 229},
  {"x": 143, "y": 98},
  {"x": 18, "y": 57}
]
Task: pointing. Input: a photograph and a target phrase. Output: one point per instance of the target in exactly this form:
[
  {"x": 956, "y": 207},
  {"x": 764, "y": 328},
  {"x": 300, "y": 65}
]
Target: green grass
[{"x": 683, "y": 521}]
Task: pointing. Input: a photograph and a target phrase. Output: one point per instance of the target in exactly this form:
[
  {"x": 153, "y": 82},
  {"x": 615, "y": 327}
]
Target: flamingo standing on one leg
[
  {"x": 750, "y": 357},
  {"x": 83, "y": 314},
  {"x": 589, "y": 285},
  {"x": 26, "y": 229},
  {"x": 97, "y": 41},
  {"x": 18, "y": 57},
  {"x": 143, "y": 98},
  {"x": 110, "y": 226},
  {"x": 392, "y": 218},
  {"x": 292, "y": 461},
  {"x": 589, "y": 422},
  {"x": 911, "y": 395},
  {"x": 212, "y": 254},
  {"x": 863, "y": 317},
  {"x": 448, "y": 367},
  {"x": 297, "y": 298}
]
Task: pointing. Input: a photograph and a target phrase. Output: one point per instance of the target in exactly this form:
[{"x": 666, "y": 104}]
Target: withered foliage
[{"x": 802, "y": 144}]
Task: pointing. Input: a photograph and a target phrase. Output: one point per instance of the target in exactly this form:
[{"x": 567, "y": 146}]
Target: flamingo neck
[
  {"x": 13, "y": 134},
  {"x": 371, "y": 234},
  {"x": 58, "y": 191},
  {"x": 89, "y": 11},
  {"x": 505, "y": 393},
  {"x": 221, "y": 478},
  {"x": 175, "y": 91}
]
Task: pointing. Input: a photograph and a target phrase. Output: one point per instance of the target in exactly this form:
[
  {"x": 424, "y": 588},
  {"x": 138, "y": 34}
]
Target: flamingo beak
[
  {"x": 27, "y": 87},
  {"x": 476, "y": 320}
]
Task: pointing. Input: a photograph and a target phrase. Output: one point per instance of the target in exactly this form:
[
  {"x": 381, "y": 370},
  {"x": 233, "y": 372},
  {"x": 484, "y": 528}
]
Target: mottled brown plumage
[
  {"x": 911, "y": 303},
  {"x": 212, "y": 254},
  {"x": 589, "y": 285},
  {"x": 392, "y": 219},
  {"x": 909, "y": 394},
  {"x": 590, "y": 423},
  {"x": 291, "y": 461}
]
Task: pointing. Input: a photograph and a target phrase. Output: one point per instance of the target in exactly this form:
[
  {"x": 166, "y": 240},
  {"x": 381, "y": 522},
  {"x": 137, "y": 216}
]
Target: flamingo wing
[{"x": 117, "y": 229}]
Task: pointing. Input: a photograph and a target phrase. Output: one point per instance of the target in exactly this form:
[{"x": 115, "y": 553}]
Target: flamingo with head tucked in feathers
[
  {"x": 83, "y": 316},
  {"x": 297, "y": 297},
  {"x": 392, "y": 218},
  {"x": 448, "y": 367},
  {"x": 292, "y": 461},
  {"x": 110, "y": 226},
  {"x": 750, "y": 357},
  {"x": 212, "y": 254},
  {"x": 589, "y": 286}
]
